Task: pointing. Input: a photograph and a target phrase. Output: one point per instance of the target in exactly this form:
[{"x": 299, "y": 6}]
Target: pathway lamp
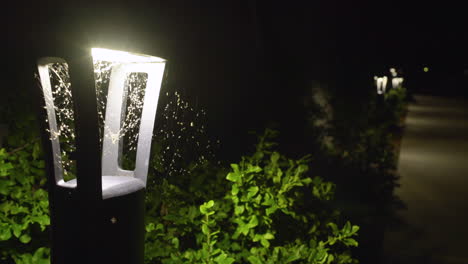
[
  {"x": 381, "y": 84},
  {"x": 97, "y": 216},
  {"x": 397, "y": 82}
]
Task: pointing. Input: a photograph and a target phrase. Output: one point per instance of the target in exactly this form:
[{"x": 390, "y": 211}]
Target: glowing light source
[
  {"x": 381, "y": 83},
  {"x": 132, "y": 79},
  {"x": 393, "y": 72},
  {"x": 104, "y": 191},
  {"x": 426, "y": 69},
  {"x": 123, "y": 65},
  {"x": 121, "y": 56},
  {"x": 397, "y": 82}
]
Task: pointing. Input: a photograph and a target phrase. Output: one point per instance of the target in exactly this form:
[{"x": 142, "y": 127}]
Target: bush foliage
[
  {"x": 24, "y": 204},
  {"x": 271, "y": 211},
  {"x": 266, "y": 208}
]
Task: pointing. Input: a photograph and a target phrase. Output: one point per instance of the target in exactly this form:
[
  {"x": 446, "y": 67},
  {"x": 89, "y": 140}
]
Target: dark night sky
[
  {"x": 410, "y": 33},
  {"x": 399, "y": 32},
  {"x": 248, "y": 61},
  {"x": 431, "y": 32}
]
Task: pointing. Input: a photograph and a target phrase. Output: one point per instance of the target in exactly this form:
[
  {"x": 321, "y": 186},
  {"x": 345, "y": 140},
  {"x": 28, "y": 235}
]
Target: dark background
[{"x": 252, "y": 63}]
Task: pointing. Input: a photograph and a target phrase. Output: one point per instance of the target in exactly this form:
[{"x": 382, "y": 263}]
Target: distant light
[
  {"x": 381, "y": 84},
  {"x": 426, "y": 69},
  {"x": 397, "y": 82},
  {"x": 393, "y": 72},
  {"x": 121, "y": 56}
]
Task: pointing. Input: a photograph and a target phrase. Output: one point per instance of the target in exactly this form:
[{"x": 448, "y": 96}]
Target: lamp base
[{"x": 114, "y": 233}]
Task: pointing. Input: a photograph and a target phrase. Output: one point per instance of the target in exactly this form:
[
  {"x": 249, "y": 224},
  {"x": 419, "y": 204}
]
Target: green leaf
[
  {"x": 258, "y": 199},
  {"x": 175, "y": 242},
  {"x": 265, "y": 243},
  {"x": 334, "y": 227},
  {"x": 292, "y": 258},
  {"x": 277, "y": 177},
  {"x": 210, "y": 204},
  {"x": 235, "y": 167},
  {"x": 235, "y": 189},
  {"x": 5, "y": 232},
  {"x": 306, "y": 181},
  {"x": 223, "y": 258},
  {"x": 271, "y": 210},
  {"x": 242, "y": 228},
  {"x": 25, "y": 238},
  {"x": 17, "y": 229},
  {"x": 274, "y": 157},
  {"x": 205, "y": 206},
  {"x": 41, "y": 256},
  {"x": 150, "y": 227},
  {"x": 203, "y": 209},
  {"x": 239, "y": 209},
  {"x": 350, "y": 242},
  {"x": 18, "y": 209},
  {"x": 257, "y": 237},
  {"x": 321, "y": 255},
  {"x": 233, "y": 176},
  {"x": 205, "y": 229},
  {"x": 5, "y": 168},
  {"x": 5, "y": 186},
  {"x": 268, "y": 236},
  {"x": 253, "y": 169},
  {"x": 303, "y": 168},
  {"x": 254, "y": 260},
  {"x": 253, "y": 221},
  {"x": 347, "y": 228},
  {"x": 252, "y": 191}
]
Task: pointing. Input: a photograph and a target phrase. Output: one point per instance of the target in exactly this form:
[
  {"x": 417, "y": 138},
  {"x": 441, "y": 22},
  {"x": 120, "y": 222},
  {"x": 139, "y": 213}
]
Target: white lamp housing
[
  {"x": 397, "y": 82},
  {"x": 115, "y": 180},
  {"x": 381, "y": 83}
]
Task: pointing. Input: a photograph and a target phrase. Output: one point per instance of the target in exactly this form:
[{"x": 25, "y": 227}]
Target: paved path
[{"x": 433, "y": 165}]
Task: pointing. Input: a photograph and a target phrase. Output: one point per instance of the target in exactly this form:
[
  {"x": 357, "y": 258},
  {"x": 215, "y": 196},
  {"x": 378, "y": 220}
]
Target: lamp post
[
  {"x": 381, "y": 84},
  {"x": 98, "y": 217},
  {"x": 397, "y": 82}
]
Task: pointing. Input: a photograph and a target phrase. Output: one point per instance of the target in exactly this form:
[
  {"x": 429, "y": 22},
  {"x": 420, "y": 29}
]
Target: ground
[{"x": 433, "y": 165}]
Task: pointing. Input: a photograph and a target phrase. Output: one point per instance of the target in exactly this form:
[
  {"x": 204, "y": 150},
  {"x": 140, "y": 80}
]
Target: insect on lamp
[{"x": 97, "y": 216}]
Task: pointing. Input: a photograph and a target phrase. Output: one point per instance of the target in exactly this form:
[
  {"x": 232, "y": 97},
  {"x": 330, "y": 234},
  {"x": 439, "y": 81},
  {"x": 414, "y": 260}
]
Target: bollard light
[
  {"x": 97, "y": 216},
  {"x": 397, "y": 82},
  {"x": 381, "y": 84}
]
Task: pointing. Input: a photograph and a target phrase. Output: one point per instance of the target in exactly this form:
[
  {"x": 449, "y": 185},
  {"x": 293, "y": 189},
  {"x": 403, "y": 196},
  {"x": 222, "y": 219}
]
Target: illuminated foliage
[
  {"x": 24, "y": 206},
  {"x": 261, "y": 217}
]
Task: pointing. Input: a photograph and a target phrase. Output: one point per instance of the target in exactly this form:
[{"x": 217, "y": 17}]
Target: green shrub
[
  {"x": 362, "y": 161},
  {"x": 265, "y": 216},
  {"x": 265, "y": 209},
  {"x": 396, "y": 104},
  {"x": 24, "y": 204}
]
